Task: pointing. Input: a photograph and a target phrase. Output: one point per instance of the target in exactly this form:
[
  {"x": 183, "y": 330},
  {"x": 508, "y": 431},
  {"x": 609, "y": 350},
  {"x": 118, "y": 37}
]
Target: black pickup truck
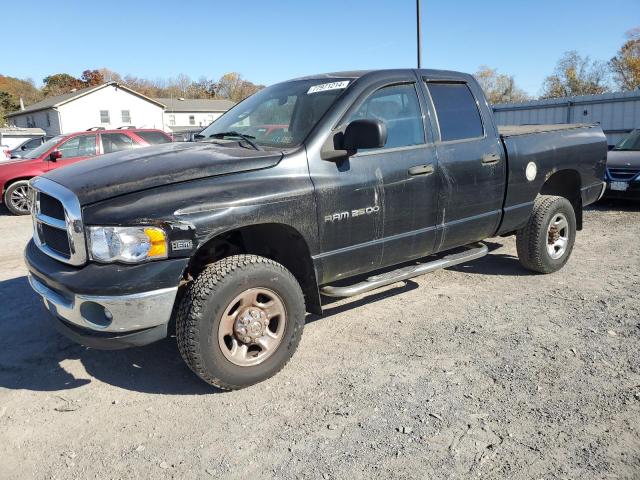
[{"x": 324, "y": 186}]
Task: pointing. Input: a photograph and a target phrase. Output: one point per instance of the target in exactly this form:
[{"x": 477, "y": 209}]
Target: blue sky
[{"x": 268, "y": 41}]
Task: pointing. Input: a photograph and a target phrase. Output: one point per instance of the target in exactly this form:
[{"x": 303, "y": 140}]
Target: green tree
[
  {"x": 576, "y": 75},
  {"x": 60, "y": 83},
  {"x": 626, "y": 64}
]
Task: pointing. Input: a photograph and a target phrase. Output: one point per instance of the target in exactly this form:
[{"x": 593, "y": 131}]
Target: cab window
[
  {"x": 114, "y": 142},
  {"x": 399, "y": 108},
  {"x": 457, "y": 111}
]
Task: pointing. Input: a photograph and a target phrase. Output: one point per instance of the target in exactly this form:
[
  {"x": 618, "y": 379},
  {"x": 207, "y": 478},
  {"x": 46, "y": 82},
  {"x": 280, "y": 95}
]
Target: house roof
[
  {"x": 195, "y": 105},
  {"x": 56, "y": 101}
]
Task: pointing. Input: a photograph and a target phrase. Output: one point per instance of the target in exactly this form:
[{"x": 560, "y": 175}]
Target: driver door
[{"x": 377, "y": 207}]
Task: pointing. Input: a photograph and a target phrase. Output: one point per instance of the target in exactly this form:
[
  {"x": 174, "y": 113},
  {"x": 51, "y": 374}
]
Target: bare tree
[
  {"x": 498, "y": 87},
  {"x": 626, "y": 64},
  {"x": 576, "y": 75},
  {"x": 234, "y": 87}
]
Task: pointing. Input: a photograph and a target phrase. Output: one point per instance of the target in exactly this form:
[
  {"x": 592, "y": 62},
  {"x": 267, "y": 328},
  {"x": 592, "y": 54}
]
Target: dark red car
[{"x": 64, "y": 150}]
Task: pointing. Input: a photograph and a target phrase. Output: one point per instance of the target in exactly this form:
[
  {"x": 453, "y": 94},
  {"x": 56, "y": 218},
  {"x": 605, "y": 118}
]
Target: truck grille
[
  {"x": 623, "y": 173},
  {"x": 57, "y": 222}
]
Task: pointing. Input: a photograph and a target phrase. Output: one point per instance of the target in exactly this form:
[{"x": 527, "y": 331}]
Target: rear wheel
[
  {"x": 16, "y": 197},
  {"x": 544, "y": 245},
  {"x": 240, "y": 321}
]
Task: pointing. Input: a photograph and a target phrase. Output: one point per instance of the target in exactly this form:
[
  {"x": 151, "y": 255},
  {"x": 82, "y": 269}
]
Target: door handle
[
  {"x": 490, "y": 158},
  {"x": 421, "y": 169}
]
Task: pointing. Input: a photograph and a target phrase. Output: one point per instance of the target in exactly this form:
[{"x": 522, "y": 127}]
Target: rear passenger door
[{"x": 471, "y": 164}]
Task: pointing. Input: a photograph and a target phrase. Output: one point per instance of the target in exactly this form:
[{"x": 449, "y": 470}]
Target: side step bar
[{"x": 472, "y": 252}]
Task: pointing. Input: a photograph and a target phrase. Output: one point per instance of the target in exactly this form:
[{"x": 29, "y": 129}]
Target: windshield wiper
[{"x": 233, "y": 133}]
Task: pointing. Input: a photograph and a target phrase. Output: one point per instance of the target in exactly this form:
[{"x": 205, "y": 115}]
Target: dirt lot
[{"x": 478, "y": 371}]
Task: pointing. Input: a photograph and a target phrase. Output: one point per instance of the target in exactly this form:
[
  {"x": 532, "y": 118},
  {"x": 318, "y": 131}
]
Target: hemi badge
[{"x": 181, "y": 245}]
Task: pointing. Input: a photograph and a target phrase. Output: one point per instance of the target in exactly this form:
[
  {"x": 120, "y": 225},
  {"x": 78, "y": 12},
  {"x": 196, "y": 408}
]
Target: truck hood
[
  {"x": 623, "y": 159},
  {"x": 130, "y": 171}
]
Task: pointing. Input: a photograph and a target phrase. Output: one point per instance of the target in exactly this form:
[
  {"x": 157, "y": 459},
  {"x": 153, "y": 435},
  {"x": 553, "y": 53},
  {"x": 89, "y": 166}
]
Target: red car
[{"x": 65, "y": 150}]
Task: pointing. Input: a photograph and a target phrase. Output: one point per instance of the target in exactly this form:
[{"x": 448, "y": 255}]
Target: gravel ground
[{"x": 482, "y": 370}]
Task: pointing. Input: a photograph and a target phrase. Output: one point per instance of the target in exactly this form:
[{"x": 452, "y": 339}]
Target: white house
[
  {"x": 109, "y": 105},
  {"x": 192, "y": 114}
]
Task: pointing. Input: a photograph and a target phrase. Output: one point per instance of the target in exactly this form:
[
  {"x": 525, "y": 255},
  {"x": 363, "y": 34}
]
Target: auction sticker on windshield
[{"x": 328, "y": 86}]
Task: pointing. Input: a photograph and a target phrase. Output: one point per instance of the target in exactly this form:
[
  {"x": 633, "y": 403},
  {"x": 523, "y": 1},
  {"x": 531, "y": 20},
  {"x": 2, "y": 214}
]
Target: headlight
[{"x": 127, "y": 244}]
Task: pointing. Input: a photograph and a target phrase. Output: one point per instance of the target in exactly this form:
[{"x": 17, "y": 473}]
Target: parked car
[
  {"x": 64, "y": 150},
  {"x": 380, "y": 176},
  {"x": 623, "y": 168},
  {"x": 28, "y": 145}
]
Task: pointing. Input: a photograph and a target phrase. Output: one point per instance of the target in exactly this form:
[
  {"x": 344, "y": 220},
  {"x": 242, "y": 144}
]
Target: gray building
[{"x": 618, "y": 113}]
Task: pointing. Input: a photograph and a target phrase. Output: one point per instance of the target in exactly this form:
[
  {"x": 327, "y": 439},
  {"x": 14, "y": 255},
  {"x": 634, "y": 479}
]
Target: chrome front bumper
[{"x": 115, "y": 314}]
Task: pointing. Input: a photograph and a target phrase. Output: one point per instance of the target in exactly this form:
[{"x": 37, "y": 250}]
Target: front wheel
[
  {"x": 240, "y": 321},
  {"x": 544, "y": 245},
  {"x": 16, "y": 197}
]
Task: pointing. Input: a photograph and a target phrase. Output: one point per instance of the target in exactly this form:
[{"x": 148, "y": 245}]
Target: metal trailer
[{"x": 617, "y": 113}]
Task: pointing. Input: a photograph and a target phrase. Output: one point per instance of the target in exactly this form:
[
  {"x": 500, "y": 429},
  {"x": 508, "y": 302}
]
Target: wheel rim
[
  {"x": 252, "y": 327},
  {"x": 20, "y": 199},
  {"x": 557, "y": 236}
]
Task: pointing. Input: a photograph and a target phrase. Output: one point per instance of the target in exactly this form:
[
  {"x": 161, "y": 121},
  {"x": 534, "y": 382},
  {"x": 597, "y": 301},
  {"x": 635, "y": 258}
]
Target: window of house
[
  {"x": 457, "y": 111},
  {"x": 209, "y": 118},
  {"x": 126, "y": 116},
  {"x": 80, "y": 146},
  {"x": 192, "y": 119},
  {"x": 48, "y": 120},
  {"x": 114, "y": 142},
  {"x": 172, "y": 119},
  {"x": 399, "y": 108},
  {"x": 31, "y": 122},
  {"x": 104, "y": 116}
]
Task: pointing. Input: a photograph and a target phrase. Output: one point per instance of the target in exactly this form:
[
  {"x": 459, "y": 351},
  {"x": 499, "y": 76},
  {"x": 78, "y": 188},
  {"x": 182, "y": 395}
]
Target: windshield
[
  {"x": 630, "y": 142},
  {"x": 36, "y": 152},
  {"x": 281, "y": 115}
]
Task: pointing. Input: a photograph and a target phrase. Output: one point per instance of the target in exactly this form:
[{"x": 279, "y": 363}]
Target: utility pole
[{"x": 419, "y": 32}]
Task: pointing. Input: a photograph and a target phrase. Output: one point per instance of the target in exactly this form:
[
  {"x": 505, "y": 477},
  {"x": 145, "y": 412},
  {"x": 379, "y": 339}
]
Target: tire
[
  {"x": 14, "y": 198},
  {"x": 539, "y": 243},
  {"x": 209, "y": 306}
]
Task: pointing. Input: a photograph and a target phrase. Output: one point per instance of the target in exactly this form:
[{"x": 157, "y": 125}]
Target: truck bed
[{"x": 515, "y": 130}]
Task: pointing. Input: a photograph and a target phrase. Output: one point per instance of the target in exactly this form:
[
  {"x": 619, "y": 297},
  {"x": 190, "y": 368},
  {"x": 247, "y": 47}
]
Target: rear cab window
[{"x": 456, "y": 111}]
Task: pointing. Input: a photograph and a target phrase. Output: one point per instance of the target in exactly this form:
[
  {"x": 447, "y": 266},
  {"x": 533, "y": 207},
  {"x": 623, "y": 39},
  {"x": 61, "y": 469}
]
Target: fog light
[{"x": 96, "y": 314}]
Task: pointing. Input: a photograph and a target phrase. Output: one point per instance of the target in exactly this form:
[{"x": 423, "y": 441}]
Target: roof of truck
[{"x": 361, "y": 73}]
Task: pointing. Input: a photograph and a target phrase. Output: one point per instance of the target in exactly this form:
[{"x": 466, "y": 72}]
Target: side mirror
[
  {"x": 364, "y": 133},
  {"x": 23, "y": 148},
  {"x": 359, "y": 134},
  {"x": 55, "y": 155}
]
